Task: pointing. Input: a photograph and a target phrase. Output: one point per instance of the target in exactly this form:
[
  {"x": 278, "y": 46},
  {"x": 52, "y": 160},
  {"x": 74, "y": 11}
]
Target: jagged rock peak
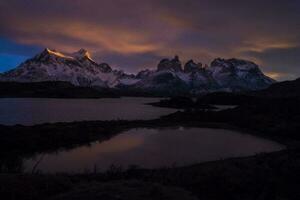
[
  {"x": 166, "y": 64},
  {"x": 191, "y": 66},
  {"x": 49, "y": 54},
  {"x": 233, "y": 63},
  {"x": 176, "y": 58},
  {"x": 82, "y": 53}
]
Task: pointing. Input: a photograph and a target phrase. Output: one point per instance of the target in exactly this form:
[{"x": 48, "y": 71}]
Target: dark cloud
[
  {"x": 285, "y": 61},
  {"x": 133, "y": 34}
]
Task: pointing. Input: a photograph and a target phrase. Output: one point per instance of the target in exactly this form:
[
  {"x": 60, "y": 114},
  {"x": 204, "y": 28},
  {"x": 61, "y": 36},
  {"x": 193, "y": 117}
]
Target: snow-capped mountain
[
  {"x": 78, "y": 68},
  {"x": 238, "y": 74},
  {"x": 222, "y": 75},
  {"x": 169, "y": 77}
]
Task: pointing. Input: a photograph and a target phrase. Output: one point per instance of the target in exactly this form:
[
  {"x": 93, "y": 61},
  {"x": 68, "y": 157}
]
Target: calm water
[
  {"x": 152, "y": 148},
  {"x": 30, "y": 111}
]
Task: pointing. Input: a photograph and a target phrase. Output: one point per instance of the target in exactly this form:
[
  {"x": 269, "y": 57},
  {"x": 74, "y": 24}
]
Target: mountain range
[{"x": 170, "y": 76}]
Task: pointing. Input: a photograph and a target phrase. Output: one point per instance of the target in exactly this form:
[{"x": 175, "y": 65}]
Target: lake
[
  {"x": 154, "y": 148},
  {"x": 29, "y": 111}
]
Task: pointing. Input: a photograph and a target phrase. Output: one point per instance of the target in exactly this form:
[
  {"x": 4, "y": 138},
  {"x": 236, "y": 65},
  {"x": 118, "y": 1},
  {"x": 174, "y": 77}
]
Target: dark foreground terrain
[
  {"x": 50, "y": 90},
  {"x": 264, "y": 176}
]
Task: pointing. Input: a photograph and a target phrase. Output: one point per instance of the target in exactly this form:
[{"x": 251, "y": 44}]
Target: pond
[{"x": 154, "y": 148}]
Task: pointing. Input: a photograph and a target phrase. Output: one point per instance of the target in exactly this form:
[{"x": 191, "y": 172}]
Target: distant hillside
[
  {"x": 50, "y": 90},
  {"x": 282, "y": 89}
]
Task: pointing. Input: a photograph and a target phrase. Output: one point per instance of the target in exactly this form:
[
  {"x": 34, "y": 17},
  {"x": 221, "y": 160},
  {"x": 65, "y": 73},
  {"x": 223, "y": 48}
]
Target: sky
[{"x": 135, "y": 34}]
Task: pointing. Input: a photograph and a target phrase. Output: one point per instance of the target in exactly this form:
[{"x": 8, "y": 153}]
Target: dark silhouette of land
[
  {"x": 272, "y": 113},
  {"x": 51, "y": 90}
]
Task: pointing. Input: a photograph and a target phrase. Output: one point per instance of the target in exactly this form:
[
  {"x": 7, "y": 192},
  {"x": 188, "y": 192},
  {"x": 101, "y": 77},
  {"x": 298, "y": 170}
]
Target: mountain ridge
[{"x": 170, "y": 76}]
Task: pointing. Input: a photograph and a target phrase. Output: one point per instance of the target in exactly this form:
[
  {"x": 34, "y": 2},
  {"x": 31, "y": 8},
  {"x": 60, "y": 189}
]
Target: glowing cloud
[{"x": 151, "y": 29}]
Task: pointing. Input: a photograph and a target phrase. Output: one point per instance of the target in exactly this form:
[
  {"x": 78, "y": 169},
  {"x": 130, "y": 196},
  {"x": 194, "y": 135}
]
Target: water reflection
[{"x": 152, "y": 148}]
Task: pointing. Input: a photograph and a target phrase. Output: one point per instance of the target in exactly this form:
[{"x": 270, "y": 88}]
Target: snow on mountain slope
[
  {"x": 77, "y": 68},
  {"x": 222, "y": 75},
  {"x": 169, "y": 77},
  {"x": 238, "y": 74}
]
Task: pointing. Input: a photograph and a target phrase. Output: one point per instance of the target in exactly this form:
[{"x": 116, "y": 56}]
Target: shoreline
[
  {"x": 232, "y": 176},
  {"x": 267, "y": 173},
  {"x": 23, "y": 142}
]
